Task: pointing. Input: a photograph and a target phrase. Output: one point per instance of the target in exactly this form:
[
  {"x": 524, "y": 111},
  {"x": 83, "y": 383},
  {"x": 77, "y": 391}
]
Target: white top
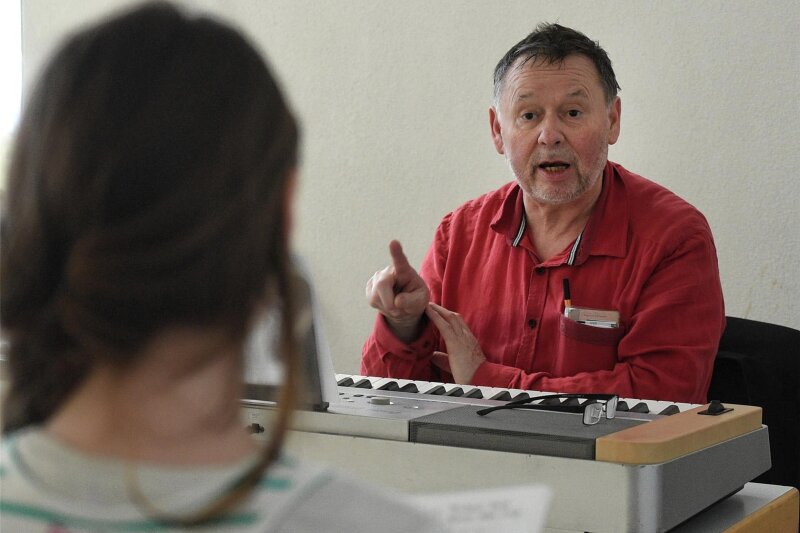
[{"x": 48, "y": 486}]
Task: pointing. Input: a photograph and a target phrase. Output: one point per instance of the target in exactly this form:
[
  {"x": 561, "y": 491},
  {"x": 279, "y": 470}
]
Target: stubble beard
[{"x": 559, "y": 194}]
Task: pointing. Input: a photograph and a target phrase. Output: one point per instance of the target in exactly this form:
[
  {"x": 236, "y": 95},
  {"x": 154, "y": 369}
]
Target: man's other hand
[
  {"x": 464, "y": 354},
  {"x": 399, "y": 294}
]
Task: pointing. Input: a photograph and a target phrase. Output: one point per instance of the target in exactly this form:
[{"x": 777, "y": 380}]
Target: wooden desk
[{"x": 756, "y": 508}]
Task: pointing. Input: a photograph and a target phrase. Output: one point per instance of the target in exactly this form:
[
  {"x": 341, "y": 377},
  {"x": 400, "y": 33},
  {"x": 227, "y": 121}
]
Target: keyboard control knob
[{"x": 380, "y": 400}]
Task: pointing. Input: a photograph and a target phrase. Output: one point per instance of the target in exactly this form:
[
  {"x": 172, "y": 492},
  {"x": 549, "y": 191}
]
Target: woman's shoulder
[{"x": 292, "y": 495}]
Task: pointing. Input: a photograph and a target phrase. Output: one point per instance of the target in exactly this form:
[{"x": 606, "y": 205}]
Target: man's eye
[
  {"x": 527, "y": 116},
  {"x": 574, "y": 113}
]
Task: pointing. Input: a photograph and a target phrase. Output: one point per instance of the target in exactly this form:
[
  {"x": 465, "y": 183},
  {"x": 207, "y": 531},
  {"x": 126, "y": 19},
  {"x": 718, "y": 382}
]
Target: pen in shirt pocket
[{"x": 567, "y": 296}]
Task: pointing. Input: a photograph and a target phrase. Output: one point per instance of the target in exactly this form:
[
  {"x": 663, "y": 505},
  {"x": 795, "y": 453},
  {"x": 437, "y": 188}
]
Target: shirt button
[
  {"x": 532, "y": 323},
  {"x": 540, "y": 270}
]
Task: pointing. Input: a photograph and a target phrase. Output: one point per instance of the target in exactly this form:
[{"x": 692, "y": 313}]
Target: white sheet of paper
[{"x": 520, "y": 508}]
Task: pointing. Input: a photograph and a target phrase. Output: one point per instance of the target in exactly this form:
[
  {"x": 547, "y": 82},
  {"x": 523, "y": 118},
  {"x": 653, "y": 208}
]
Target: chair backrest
[{"x": 759, "y": 364}]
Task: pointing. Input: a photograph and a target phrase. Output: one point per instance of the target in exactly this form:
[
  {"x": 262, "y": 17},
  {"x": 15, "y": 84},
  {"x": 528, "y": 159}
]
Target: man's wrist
[{"x": 408, "y": 330}]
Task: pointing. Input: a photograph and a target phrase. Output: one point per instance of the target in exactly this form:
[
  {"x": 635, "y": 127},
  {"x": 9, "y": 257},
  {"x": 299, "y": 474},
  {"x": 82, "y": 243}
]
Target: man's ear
[
  {"x": 494, "y": 124},
  {"x": 614, "y": 116}
]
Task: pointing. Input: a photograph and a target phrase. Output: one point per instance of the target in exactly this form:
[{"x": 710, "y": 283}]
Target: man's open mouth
[{"x": 553, "y": 166}]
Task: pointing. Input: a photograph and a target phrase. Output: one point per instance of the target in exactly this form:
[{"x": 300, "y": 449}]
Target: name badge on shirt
[{"x": 598, "y": 318}]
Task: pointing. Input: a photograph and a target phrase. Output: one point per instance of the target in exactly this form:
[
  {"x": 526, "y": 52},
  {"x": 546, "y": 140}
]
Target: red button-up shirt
[{"x": 644, "y": 252}]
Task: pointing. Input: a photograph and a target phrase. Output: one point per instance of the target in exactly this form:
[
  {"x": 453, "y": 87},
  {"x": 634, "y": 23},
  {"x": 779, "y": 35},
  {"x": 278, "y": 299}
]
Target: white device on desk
[{"x": 264, "y": 373}]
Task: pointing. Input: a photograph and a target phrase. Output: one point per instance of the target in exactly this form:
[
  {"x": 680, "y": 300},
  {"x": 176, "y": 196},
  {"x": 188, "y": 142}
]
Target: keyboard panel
[{"x": 370, "y": 387}]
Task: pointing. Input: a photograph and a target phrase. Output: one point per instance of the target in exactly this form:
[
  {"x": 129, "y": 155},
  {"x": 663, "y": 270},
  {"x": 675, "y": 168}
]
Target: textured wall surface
[{"x": 393, "y": 97}]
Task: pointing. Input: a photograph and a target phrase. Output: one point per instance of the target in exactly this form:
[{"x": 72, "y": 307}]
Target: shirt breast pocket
[{"x": 584, "y": 348}]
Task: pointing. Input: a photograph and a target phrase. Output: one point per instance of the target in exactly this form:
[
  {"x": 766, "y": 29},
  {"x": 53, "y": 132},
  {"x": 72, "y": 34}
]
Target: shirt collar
[
  {"x": 510, "y": 220},
  {"x": 606, "y": 232}
]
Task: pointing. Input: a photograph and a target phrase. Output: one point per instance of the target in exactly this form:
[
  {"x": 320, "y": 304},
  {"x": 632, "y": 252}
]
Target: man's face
[{"x": 554, "y": 126}]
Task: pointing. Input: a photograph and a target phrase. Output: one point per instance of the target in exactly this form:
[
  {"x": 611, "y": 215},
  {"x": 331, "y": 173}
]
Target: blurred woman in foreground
[{"x": 146, "y": 229}]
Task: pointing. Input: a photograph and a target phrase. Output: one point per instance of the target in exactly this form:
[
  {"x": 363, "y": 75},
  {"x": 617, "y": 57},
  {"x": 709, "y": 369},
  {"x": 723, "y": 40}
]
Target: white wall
[{"x": 393, "y": 97}]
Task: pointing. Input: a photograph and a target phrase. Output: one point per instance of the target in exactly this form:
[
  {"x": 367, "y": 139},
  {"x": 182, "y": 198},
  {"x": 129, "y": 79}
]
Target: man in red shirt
[{"x": 644, "y": 312}]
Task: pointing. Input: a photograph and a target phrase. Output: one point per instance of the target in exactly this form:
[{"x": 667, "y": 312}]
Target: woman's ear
[{"x": 288, "y": 201}]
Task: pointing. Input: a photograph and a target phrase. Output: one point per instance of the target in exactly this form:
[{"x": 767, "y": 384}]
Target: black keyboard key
[
  {"x": 438, "y": 390},
  {"x": 363, "y": 383},
  {"x": 622, "y": 405},
  {"x": 455, "y": 391},
  {"x": 409, "y": 387},
  {"x": 670, "y": 410},
  {"x": 522, "y": 396},
  {"x": 502, "y": 396},
  {"x": 551, "y": 401},
  {"x": 571, "y": 401},
  {"x": 640, "y": 407},
  {"x": 345, "y": 382},
  {"x": 390, "y": 386},
  {"x": 474, "y": 393}
]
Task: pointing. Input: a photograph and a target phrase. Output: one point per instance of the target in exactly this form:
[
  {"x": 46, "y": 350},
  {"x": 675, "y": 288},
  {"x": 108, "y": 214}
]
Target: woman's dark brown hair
[{"x": 146, "y": 190}]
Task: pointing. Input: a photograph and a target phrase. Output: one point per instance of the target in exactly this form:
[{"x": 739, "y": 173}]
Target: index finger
[{"x": 399, "y": 259}]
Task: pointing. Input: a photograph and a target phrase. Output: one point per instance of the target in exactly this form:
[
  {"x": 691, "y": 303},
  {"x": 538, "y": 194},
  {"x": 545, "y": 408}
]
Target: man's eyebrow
[{"x": 579, "y": 93}]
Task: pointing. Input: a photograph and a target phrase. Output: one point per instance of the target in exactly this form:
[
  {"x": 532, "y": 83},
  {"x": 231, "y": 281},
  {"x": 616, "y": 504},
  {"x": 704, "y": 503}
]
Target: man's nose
[{"x": 550, "y": 131}]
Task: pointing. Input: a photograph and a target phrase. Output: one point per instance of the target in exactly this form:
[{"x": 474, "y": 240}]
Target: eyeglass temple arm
[
  {"x": 565, "y": 396},
  {"x": 522, "y": 401}
]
